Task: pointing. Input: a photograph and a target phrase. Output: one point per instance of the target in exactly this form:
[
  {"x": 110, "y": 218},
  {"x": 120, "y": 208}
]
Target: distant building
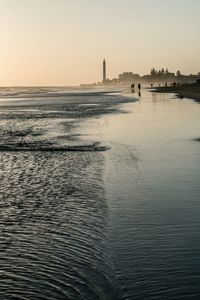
[
  {"x": 156, "y": 77},
  {"x": 128, "y": 77},
  {"x": 104, "y": 70}
]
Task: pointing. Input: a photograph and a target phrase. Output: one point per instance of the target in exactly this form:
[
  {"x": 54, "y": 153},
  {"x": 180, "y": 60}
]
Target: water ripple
[{"x": 54, "y": 242}]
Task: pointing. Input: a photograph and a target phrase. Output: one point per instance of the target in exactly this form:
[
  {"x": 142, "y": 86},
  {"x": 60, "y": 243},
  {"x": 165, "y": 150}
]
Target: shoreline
[
  {"x": 51, "y": 121},
  {"x": 191, "y": 91}
]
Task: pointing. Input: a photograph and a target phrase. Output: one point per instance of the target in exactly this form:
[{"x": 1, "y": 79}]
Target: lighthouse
[{"x": 104, "y": 70}]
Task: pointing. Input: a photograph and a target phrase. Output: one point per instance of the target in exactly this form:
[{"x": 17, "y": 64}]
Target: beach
[
  {"x": 152, "y": 176},
  {"x": 99, "y": 195},
  {"x": 54, "y": 213},
  {"x": 44, "y": 119},
  {"x": 191, "y": 91}
]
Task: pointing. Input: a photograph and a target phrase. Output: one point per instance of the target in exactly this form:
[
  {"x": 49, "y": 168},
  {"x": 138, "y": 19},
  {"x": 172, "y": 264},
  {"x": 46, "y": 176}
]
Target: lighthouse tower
[{"x": 104, "y": 70}]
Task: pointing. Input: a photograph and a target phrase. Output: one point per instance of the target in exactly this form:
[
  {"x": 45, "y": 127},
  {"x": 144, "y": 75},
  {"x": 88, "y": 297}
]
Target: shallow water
[
  {"x": 120, "y": 224},
  {"x": 54, "y": 241},
  {"x": 152, "y": 187}
]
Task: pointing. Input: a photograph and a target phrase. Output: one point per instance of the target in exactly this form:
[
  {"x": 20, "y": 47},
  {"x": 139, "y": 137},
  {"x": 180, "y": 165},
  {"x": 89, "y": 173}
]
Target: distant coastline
[{"x": 155, "y": 77}]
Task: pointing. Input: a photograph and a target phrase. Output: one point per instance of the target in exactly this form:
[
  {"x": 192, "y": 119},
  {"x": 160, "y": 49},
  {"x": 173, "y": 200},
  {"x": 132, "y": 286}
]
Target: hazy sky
[{"x": 63, "y": 42}]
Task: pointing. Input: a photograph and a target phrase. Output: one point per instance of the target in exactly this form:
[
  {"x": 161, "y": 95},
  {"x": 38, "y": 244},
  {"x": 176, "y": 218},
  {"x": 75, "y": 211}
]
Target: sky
[{"x": 63, "y": 42}]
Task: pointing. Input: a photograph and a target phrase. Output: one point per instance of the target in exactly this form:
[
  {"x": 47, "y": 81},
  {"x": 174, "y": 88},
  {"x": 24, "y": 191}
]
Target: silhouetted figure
[
  {"x": 139, "y": 86},
  {"x": 166, "y": 84},
  {"x": 151, "y": 84},
  {"x": 132, "y": 87}
]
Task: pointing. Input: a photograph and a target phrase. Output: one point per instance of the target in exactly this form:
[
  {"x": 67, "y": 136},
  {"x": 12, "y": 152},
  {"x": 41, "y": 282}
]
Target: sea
[{"x": 99, "y": 195}]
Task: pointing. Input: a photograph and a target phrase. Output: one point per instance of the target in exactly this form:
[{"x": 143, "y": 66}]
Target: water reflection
[
  {"x": 154, "y": 204},
  {"x": 161, "y": 97}
]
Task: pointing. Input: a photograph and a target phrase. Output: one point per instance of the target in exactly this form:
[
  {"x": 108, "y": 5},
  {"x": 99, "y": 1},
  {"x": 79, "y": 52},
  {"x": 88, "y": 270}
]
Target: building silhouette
[
  {"x": 155, "y": 77},
  {"x": 128, "y": 77},
  {"x": 104, "y": 70}
]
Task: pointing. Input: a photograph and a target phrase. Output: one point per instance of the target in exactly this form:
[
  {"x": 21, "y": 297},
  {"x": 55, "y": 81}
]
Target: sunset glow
[{"x": 50, "y": 42}]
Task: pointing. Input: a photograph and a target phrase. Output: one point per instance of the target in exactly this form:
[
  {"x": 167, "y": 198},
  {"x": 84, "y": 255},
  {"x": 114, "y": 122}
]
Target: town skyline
[{"x": 162, "y": 75}]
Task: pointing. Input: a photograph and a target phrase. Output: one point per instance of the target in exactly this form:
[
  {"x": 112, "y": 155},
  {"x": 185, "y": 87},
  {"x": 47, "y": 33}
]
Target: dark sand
[{"x": 182, "y": 91}]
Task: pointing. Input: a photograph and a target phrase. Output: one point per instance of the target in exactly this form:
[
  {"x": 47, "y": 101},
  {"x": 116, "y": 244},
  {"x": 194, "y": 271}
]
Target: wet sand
[
  {"x": 191, "y": 91},
  {"x": 54, "y": 218},
  {"x": 119, "y": 224},
  {"x": 152, "y": 189},
  {"x": 45, "y": 119}
]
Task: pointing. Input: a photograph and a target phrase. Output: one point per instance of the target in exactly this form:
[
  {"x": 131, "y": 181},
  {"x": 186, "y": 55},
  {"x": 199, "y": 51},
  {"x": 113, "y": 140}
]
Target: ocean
[{"x": 99, "y": 195}]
